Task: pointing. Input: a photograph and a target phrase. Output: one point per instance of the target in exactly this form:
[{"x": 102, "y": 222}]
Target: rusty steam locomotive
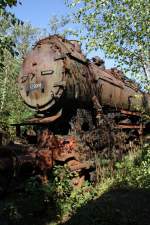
[
  {"x": 81, "y": 108},
  {"x": 57, "y": 81}
]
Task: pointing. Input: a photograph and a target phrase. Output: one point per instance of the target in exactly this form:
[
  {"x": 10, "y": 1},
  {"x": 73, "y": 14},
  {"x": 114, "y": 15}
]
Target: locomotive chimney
[{"x": 99, "y": 62}]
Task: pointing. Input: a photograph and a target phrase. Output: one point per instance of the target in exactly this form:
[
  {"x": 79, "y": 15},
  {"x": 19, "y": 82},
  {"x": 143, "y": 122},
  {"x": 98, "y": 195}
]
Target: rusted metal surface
[
  {"x": 25, "y": 161},
  {"x": 115, "y": 91},
  {"x": 75, "y": 165},
  {"x": 130, "y": 113},
  {"x": 44, "y": 120},
  {"x": 56, "y": 71},
  {"x": 38, "y": 76},
  {"x": 129, "y": 126}
]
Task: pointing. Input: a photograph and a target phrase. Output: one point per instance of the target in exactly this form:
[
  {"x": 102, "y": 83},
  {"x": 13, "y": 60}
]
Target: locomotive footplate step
[
  {"x": 130, "y": 126},
  {"x": 130, "y": 113}
]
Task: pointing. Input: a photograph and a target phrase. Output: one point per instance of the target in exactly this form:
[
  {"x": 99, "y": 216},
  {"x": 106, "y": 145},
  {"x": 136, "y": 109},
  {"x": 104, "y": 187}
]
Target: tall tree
[
  {"x": 12, "y": 109},
  {"x": 59, "y": 25},
  {"x": 5, "y": 38},
  {"x": 5, "y": 3},
  {"x": 121, "y": 28}
]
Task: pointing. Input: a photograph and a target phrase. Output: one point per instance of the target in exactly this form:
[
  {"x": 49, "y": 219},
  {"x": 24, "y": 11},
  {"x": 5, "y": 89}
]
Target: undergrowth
[
  {"x": 133, "y": 171},
  {"x": 58, "y": 200}
]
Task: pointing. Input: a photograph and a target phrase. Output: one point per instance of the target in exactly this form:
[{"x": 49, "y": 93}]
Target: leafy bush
[{"x": 135, "y": 172}]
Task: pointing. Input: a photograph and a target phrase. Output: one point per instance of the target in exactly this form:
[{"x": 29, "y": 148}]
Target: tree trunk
[{"x": 4, "y": 90}]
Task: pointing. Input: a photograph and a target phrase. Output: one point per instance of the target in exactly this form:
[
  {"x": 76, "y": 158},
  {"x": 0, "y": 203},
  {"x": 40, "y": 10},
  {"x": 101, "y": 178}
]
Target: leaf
[{"x": 120, "y": 28}]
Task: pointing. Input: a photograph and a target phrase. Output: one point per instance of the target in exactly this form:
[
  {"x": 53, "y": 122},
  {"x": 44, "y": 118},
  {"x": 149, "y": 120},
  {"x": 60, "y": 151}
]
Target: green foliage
[
  {"x": 59, "y": 190},
  {"x": 11, "y": 211},
  {"x": 38, "y": 193},
  {"x": 120, "y": 28},
  {"x": 5, "y": 3},
  {"x": 59, "y": 25},
  {"x": 135, "y": 172},
  {"x": 6, "y": 42},
  {"x": 56, "y": 193},
  {"x": 12, "y": 109},
  {"x": 80, "y": 196}
]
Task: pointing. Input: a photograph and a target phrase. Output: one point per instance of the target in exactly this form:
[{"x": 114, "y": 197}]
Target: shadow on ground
[
  {"x": 21, "y": 209},
  {"x": 116, "y": 207}
]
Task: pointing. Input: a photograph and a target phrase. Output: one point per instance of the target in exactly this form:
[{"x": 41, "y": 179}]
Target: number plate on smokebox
[{"x": 34, "y": 86}]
